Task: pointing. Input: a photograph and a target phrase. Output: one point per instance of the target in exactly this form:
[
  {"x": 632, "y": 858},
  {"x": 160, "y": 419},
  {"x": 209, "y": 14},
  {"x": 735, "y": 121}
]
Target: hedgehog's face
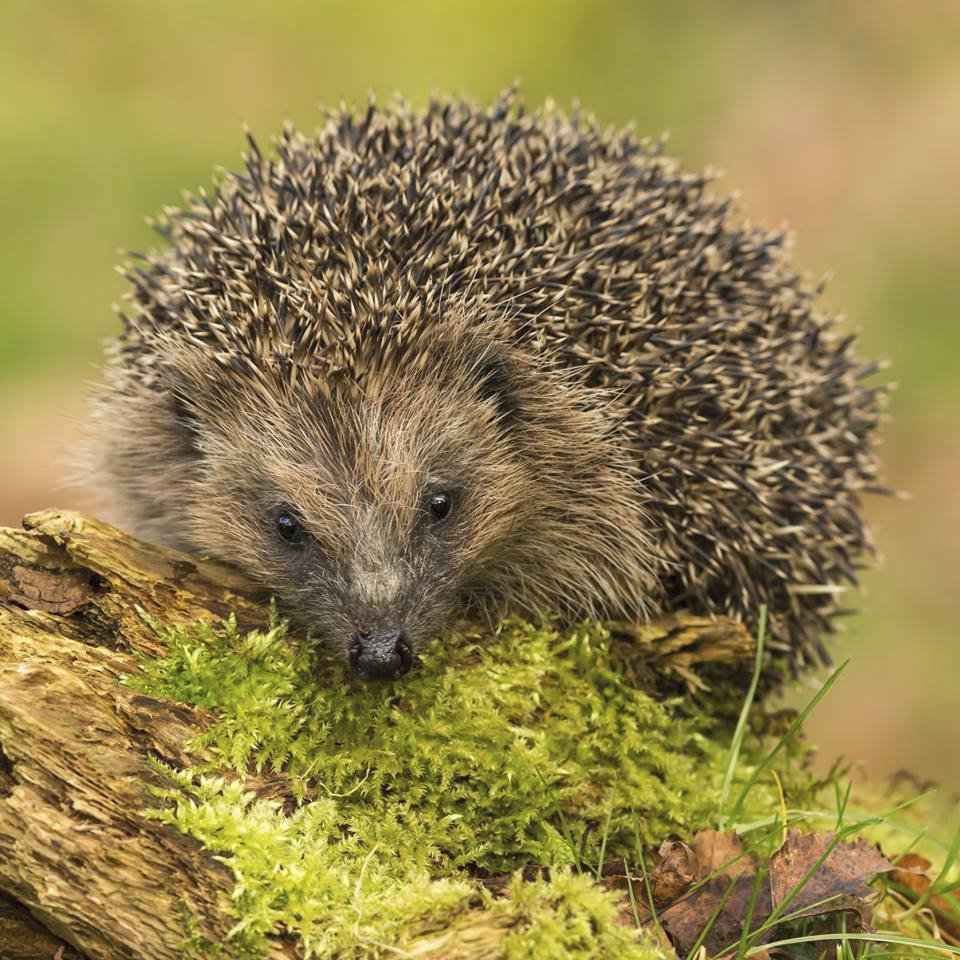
[
  {"x": 369, "y": 514},
  {"x": 371, "y": 508}
]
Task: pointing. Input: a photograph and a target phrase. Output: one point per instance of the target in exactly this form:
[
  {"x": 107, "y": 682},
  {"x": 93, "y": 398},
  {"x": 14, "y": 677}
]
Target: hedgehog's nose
[{"x": 380, "y": 656}]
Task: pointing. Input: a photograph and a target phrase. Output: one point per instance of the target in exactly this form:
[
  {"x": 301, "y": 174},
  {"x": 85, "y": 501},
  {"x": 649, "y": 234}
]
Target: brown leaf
[
  {"x": 686, "y": 920},
  {"x": 672, "y": 874},
  {"x": 722, "y": 852},
  {"x": 840, "y": 881},
  {"x": 910, "y": 872},
  {"x": 910, "y": 875}
]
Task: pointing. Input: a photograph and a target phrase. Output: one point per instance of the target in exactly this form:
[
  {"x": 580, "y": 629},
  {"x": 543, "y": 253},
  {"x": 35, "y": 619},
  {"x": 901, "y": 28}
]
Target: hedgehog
[{"x": 485, "y": 360}]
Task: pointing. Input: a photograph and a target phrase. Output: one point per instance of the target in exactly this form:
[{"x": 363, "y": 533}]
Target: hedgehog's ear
[
  {"x": 189, "y": 381},
  {"x": 180, "y": 388},
  {"x": 500, "y": 385},
  {"x": 187, "y": 424}
]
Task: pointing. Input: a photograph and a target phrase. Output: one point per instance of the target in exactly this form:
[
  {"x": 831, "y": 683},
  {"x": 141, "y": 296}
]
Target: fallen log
[{"x": 78, "y": 748}]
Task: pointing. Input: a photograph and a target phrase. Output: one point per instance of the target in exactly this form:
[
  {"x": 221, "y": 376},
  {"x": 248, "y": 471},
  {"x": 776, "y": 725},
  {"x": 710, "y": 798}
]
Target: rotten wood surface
[
  {"x": 77, "y": 746},
  {"x": 100, "y": 881},
  {"x": 22, "y": 938}
]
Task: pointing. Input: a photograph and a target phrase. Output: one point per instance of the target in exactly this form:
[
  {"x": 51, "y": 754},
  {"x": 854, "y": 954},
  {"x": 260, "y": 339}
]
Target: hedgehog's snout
[{"x": 379, "y": 654}]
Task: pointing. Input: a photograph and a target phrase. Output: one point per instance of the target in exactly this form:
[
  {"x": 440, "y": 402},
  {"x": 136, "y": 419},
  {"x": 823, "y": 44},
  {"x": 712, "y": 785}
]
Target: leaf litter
[{"x": 711, "y": 893}]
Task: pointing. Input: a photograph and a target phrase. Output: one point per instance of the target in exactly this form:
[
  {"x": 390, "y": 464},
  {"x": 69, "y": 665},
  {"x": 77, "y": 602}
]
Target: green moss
[
  {"x": 569, "y": 916},
  {"x": 499, "y": 752}
]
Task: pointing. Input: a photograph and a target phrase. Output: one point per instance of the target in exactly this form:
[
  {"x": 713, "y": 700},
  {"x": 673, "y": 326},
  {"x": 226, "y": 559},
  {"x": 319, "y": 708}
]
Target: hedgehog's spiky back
[{"x": 745, "y": 408}]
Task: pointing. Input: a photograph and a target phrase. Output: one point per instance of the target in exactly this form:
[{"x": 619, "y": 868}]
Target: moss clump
[
  {"x": 568, "y": 916},
  {"x": 527, "y": 747}
]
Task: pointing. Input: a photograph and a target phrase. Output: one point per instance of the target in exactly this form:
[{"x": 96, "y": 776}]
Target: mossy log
[{"x": 78, "y": 747}]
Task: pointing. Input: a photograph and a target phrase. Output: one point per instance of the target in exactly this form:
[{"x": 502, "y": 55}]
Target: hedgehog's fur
[{"x": 636, "y": 398}]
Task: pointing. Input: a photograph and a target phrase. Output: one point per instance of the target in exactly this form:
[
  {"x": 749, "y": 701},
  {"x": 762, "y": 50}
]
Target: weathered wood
[
  {"x": 77, "y": 746},
  {"x": 22, "y": 938},
  {"x": 93, "y": 579}
]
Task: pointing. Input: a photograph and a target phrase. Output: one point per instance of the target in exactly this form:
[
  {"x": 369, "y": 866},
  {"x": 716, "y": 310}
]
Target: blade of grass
[
  {"x": 877, "y": 936},
  {"x": 606, "y": 829},
  {"x": 787, "y": 736},
  {"x": 646, "y": 880},
  {"x": 841, "y": 801},
  {"x": 800, "y": 815},
  {"x": 737, "y": 742},
  {"x": 783, "y": 806},
  {"x": 758, "y": 879},
  {"x": 941, "y": 884},
  {"x": 805, "y": 912},
  {"x": 909, "y": 847},
  {"x": 567, "y": 834},
  {"x": 846, "y": 948},
  {"x": 713, "y": 919},
  {"x": 633, "y": 899}
]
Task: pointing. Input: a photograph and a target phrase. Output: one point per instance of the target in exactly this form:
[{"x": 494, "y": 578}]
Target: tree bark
[{"x": 77, "y": 747}]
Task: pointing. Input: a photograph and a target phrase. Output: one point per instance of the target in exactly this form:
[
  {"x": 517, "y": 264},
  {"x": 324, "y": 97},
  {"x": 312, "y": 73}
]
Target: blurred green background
[{"x": 842, "y": 118}]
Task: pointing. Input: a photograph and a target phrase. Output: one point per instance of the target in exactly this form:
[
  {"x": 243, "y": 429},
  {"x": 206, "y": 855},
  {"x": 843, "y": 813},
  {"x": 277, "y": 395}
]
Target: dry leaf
[
  {"x": 721, "y": 852},
  {"x": 910, "y": 875},
  {"x": 839, "y": 882},
  {"x": 723, "y": 855},
  {"x": 672, "y": 874},
  {"x": 686, "y": 920}
]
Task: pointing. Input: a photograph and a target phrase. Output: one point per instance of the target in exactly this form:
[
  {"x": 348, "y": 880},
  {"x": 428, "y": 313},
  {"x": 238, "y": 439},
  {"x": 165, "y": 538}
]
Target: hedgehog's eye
[
  {"x": 290, "y": 528},
  {"x": 439, "y": 506}
]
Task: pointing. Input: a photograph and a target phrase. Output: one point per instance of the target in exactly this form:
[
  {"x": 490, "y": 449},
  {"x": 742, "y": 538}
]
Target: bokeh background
[{"x": 841, "y": 118}]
